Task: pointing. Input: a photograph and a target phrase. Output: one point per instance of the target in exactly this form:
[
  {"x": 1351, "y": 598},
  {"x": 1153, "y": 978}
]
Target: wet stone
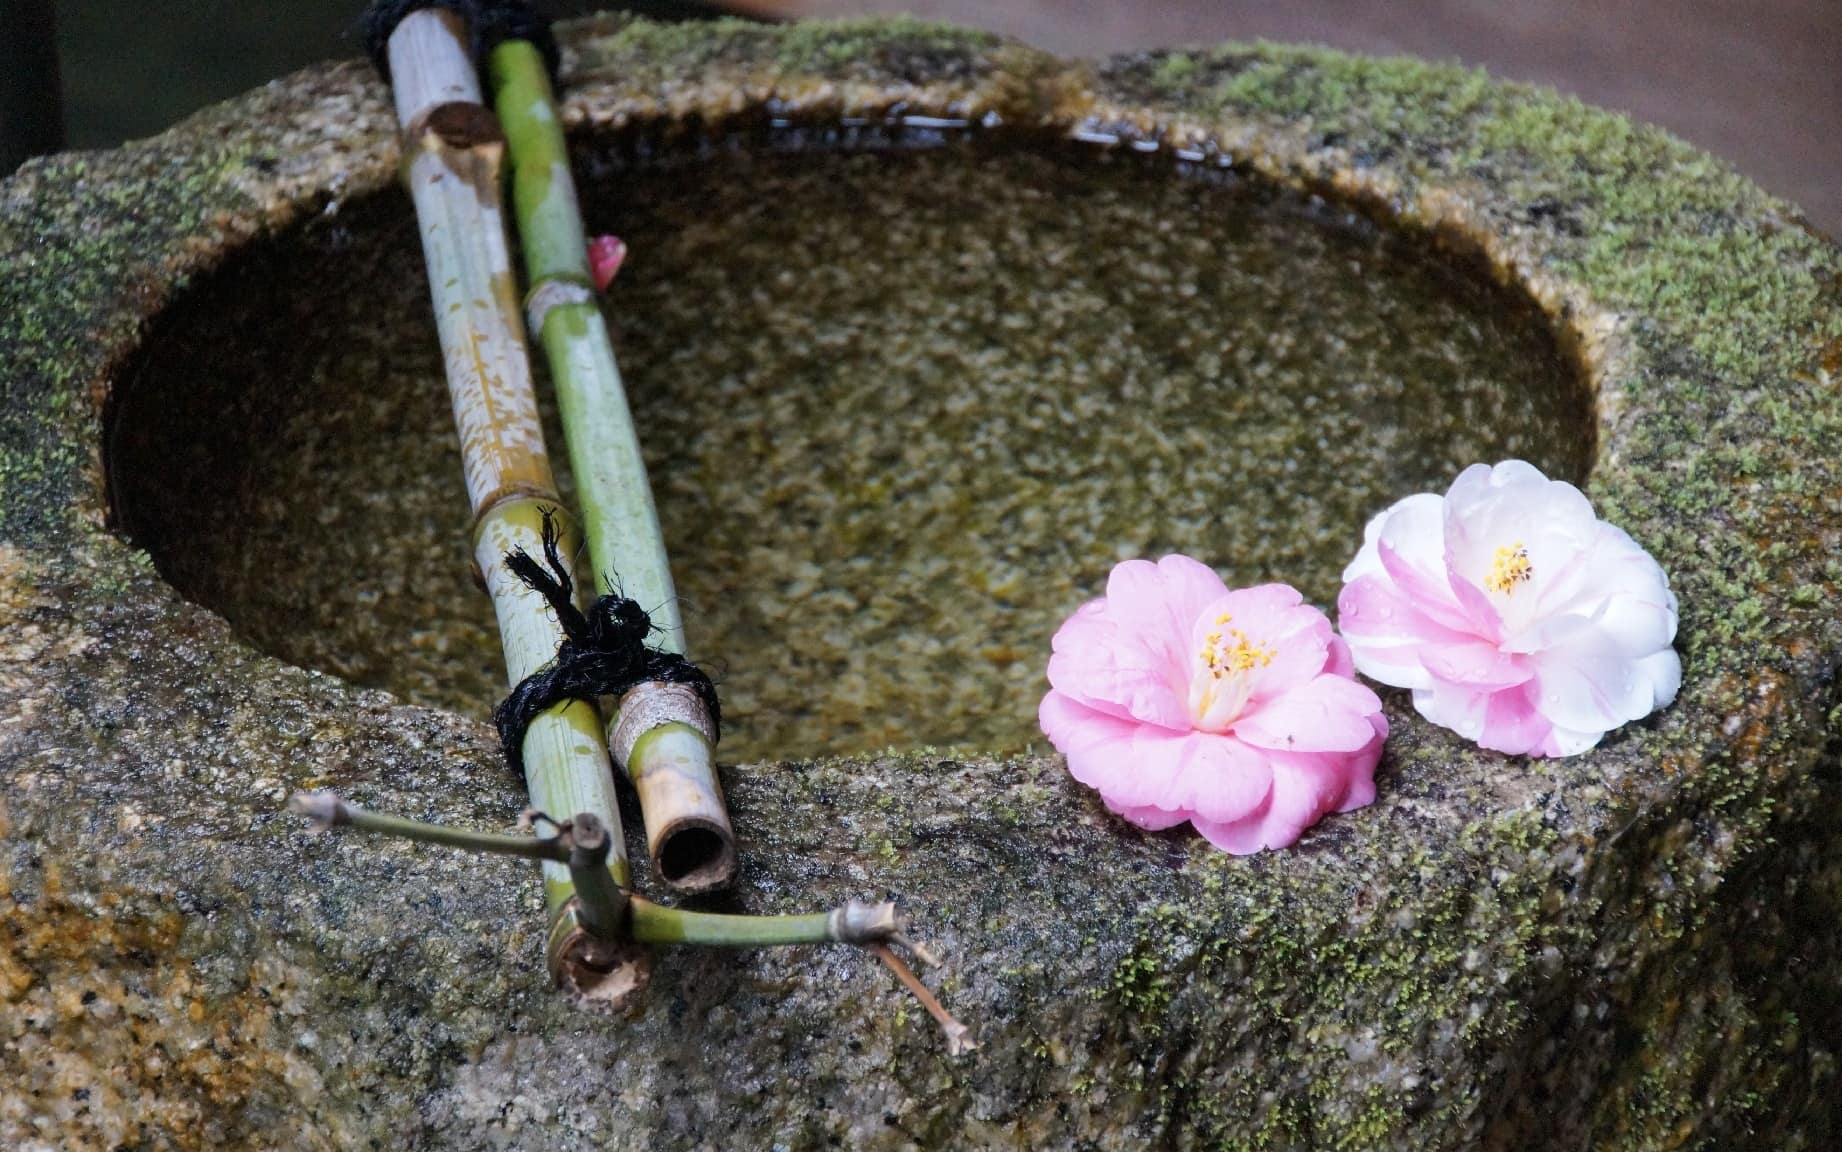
[{"x": 909, "y": 404}]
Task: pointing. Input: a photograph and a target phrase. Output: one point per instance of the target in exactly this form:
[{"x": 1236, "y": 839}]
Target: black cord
[
  {"x": 603, "y": 652},
  {"x": 491, "y": 23}
]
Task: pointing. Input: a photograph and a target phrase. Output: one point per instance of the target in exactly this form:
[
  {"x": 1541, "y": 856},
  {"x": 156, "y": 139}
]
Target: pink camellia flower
[
  {"x": 1177, "y": 699},
  {"x": 1519, "y": 619}
]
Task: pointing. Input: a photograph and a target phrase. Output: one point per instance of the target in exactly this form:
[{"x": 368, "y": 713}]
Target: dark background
[{"x": 1756, "y": 81}]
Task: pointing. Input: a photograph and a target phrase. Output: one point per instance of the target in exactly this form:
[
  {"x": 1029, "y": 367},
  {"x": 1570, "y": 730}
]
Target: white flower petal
[
  {"x": 1663, "y": 671},
  {"x": 1366, "y": 559},
  {"x": 1567, "y": 742},
  {"x": 1454, "y": 707},
  {"x": 1586, "y": 683}
]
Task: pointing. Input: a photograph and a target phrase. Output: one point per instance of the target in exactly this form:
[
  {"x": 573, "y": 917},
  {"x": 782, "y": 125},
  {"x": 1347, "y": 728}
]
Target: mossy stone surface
[{"x": 1636, "y": 948}]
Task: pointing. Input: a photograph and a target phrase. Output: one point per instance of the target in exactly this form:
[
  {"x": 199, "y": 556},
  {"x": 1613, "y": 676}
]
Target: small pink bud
[{"x": 605, "y": 255}]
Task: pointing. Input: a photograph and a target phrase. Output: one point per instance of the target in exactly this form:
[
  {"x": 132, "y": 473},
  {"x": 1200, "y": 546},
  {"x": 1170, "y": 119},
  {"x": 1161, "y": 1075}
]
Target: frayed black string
[
  {"x": 603, "y": 652},
  {"x": 491, "y": 22}
]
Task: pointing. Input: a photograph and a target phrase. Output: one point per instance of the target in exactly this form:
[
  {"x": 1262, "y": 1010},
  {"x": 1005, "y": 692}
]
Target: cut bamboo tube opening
[
  {"x": 453, "y": 153},
  {"x": 660, "y": 735}
]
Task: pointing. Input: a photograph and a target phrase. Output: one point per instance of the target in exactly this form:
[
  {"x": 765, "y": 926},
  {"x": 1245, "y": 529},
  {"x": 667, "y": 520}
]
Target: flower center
[
  {"x": 1512, "y": 567},
  {"x": 1220, "y": 684}
]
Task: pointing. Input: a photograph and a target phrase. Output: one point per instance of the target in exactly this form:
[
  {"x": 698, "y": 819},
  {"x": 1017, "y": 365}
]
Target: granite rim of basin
[{"x": 1634, "y": 948}]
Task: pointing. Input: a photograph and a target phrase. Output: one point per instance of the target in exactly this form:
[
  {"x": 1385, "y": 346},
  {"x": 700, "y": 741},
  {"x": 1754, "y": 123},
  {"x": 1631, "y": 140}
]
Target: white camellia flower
[{"x": 1518, "y": 618}]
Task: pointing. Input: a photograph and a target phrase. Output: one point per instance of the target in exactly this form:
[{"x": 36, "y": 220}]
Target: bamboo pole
[
  {"x": 661, "y": 734},
  {"x": 453, "y": 153}
]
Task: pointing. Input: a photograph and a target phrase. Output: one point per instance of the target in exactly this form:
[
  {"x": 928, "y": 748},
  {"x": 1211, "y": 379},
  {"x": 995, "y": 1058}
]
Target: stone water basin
[{"x": 924, "y": 331}]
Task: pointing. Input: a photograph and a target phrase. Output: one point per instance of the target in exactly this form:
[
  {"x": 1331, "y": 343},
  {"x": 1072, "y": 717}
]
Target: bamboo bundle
[
  {"x": 454, "y": 152},
  {"x": 662, "y": 733},
  {"x": 453, "y": 156}
]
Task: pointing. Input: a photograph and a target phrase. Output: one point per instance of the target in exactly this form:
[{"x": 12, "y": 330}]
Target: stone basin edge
[{"x": 1428, "y": 972}]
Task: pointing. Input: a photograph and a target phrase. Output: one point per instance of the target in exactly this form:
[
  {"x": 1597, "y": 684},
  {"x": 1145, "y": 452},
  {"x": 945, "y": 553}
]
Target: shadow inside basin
[{"x": 903, "y": 410}]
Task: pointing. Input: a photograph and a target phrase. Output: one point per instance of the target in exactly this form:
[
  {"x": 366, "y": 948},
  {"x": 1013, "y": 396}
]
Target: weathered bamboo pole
[
  {"x": 662, "y": 734},
  {"x": 453, "y": 152}
]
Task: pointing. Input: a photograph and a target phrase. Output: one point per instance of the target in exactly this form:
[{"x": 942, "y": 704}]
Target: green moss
[
  {"x": 1662, "y": 228},
  {"x": 644, "y": 54},
  {"x": 834, "y": 47},
  {"x": 1174, "y": 69}
]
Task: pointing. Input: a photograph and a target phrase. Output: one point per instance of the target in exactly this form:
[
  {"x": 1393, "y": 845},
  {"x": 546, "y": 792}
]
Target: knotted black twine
[
  {"x": 603, "y": 652},
  {"x": 491, "y": 23}
]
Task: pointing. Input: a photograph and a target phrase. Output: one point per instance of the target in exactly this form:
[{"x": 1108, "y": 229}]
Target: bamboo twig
[
  {"x": 613, "y": 921},
  {"x": 624, "y": 915},
  {"x": 662, "y": 737},
  {"x": 453, "y": 155},
  {"x": 959, "y": 1037}
]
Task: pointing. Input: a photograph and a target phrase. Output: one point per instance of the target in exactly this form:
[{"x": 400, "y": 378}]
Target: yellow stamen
[
  {"x": 1512, "y": 567},
  {"x": 1220, "y": 692},
  {"x": 1239, "y": 656}
]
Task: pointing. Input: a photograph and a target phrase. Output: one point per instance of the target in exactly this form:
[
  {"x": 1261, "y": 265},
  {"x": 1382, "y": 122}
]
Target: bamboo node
[
  {"x": 553, "y": 294},
  {"x": 458, "y": 124},
  {"x": 860, "y": 923},
  {"x": 604, "y": 975},
  {"x": 324, "y": 810},
  {"x": 653, "y": 704}
]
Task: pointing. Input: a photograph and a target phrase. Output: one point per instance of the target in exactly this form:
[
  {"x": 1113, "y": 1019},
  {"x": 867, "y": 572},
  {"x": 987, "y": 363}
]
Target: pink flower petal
[
  {"x": 1513, "y": 724},
  {"x": 1161, "y": 601},
  {"x": 1308, "y": 787},
  {"x": 1241, "y": 837},
  {"x": 1478, "y": 664},
  {"x": 1387, "y": 634},
  {"x": 1113, "y": 669},
  {"x": 1340, "y": 662},
  {"x": 1101, "y": 753},
  {"x": 605, "y": 256},
  {"x": 1328, "y": 714},
  {"x": 1150, "y": 819},
  {"x": 1479, "y": 612},
  {"x": 1222, "y": 778},
  {"x": 1432, "y": 597},
  {"x": 1361, "y": 768}
]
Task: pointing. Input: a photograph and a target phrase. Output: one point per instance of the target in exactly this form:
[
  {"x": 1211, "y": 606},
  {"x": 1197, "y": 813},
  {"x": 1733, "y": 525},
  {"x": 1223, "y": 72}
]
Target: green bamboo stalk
[
  {"x": 453, "y": 158},
  {"x": 662, "y": 739}
]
